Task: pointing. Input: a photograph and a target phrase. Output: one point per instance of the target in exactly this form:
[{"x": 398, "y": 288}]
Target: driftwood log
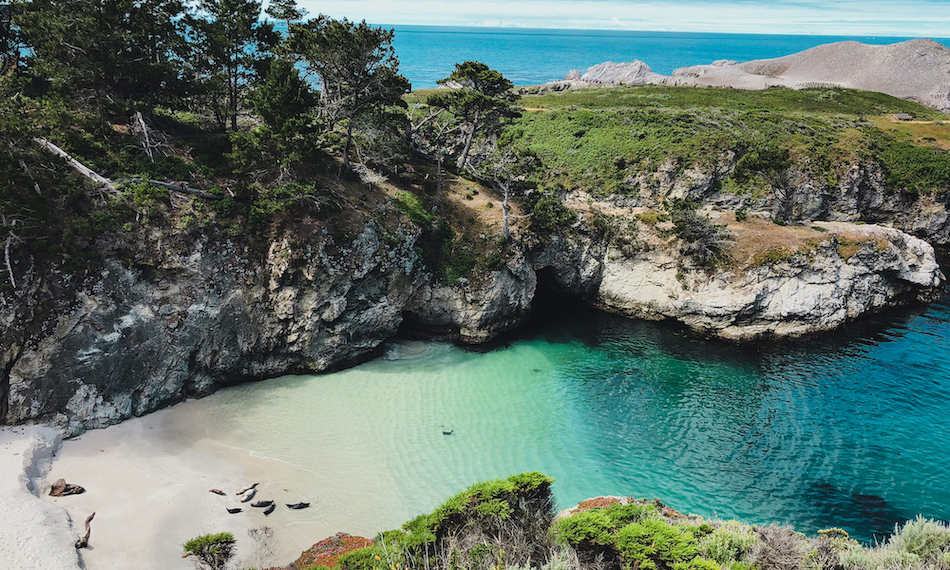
[
  {"x": 112, "y": 185},
  {"x": 83, "y": 541}
]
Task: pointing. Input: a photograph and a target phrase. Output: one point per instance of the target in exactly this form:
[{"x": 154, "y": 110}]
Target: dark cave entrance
[{"x": 552, "y": 302}]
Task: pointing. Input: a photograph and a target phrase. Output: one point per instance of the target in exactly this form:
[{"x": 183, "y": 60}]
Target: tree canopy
[
  {"x": 357, "y": 67},
  {"x": 479, "y": 96}
]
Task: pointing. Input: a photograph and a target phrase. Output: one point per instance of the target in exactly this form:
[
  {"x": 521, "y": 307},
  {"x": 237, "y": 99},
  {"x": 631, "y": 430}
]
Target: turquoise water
[
  {"x": 845, "y": 430},
  {"x": 530, "y": 57}
]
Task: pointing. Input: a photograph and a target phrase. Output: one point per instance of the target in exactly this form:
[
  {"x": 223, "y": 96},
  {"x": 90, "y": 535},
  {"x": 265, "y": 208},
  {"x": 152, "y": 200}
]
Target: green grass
[
  {"x": 600, "y": 140},
  {"x": 817, "y": 100}
]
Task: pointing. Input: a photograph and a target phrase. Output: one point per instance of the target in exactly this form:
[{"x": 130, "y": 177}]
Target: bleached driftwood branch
[
  {"x": 83, "y": 541},
  {"x": 76, "y": 165},
  {"x": 112, "y": 185}
]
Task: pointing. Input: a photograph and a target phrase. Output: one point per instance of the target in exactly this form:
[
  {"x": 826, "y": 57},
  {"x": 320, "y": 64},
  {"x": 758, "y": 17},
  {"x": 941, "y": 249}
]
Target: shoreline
[{"x": 148, "y": 482}]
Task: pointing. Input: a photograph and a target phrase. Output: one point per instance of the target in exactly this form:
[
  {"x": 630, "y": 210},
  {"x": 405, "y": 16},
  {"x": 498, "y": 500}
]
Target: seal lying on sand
[
  {"x": 270, "y": 509},
  {"x": 296, "y": 506},
  {"x": 249, "y": 496},
  {"x": 217, "y": 492},
  {"x": 246, "y": 488},
  {"x": 262, "y": 504},
  {"x": 234, "y": 511},
  {"x": 61, "y": 488}
]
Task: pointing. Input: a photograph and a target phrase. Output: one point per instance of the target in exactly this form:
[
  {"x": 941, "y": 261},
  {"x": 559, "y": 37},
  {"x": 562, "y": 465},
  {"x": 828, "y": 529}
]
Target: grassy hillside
[{"x": 597, "y": 139}]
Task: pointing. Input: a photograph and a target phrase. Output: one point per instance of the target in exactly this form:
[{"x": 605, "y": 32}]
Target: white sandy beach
[{"x": 148, "y": 482}]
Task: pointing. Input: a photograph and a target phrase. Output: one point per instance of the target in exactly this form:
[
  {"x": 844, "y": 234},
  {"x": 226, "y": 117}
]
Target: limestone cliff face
[
  {"x": 175, "y": 316},
  {"x": 813, "y": 290},
  {"x": 859, "y": 195},
  {"x": 141, "y": 337}
]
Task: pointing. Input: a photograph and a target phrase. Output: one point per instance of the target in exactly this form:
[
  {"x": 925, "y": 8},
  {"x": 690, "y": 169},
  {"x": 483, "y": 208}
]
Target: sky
[{"x": 898, "y": 18}]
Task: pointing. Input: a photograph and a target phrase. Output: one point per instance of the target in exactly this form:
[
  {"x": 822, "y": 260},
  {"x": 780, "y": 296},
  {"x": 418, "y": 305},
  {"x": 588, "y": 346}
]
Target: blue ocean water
[
  {"x": 533, "y": 56},
  {"x": 846, "y": 429}
]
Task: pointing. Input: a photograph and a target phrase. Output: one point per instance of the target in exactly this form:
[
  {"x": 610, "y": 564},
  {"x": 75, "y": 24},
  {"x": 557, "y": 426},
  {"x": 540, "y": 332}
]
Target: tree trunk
[
  {"x": 75, "y": 164},
  {"x": 346, "y": 147},
  {"x": 438, "y": 187},
  {"x": 463, "y": 158},
  {"x": 504, "y": 212}
]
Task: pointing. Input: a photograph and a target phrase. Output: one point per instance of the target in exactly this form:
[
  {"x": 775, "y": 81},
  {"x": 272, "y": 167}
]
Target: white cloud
[{"x": 914, "y": 18}]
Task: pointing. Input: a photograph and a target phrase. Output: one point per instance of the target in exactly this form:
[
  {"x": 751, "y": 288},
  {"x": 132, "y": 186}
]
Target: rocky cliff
[
  {"x": 915, "y": 70},
  {"x": 172, "y": 314}
]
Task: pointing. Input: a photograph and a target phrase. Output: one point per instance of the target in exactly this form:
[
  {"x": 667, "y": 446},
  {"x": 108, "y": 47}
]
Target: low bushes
[{"x": 509, "y": 524}]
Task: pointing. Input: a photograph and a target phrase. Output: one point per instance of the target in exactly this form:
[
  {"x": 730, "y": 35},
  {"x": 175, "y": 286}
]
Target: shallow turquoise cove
[{"x": 848, "y": 429}]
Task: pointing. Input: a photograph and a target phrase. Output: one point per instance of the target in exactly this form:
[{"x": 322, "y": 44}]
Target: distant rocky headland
[{"x": 915, "y": 70}]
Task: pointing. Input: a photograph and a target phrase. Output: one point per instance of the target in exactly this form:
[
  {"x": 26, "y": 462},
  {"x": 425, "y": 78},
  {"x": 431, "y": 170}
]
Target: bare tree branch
[
  {"x": 12, "y": 239},
  {"x": 76, "y": 165}
]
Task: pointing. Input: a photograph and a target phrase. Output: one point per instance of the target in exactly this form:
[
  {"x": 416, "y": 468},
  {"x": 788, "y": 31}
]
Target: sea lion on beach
[
  {"x": 262, "y": 504},
  {"x": 297, "y": 506},
  {"x": 217, "y": 492},
  {"x": 249, "y": 496},
  {"x": 61, "y": 489},
  {"x": 246, "y": 488},
  {"x": 235, "y": 510},
  {"x": 270, "y": 509}
]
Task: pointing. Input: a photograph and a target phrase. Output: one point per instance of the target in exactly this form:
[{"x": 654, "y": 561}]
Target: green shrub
[
  {"x": 728, "y": 543},
  {"x": 922, "y": 537},
  {"x": 214, "y": 551},
  {"x": 411, "y": 205},
  {"x": 654, "y": 544},
  {"x": 698, "y": 563},
  {"x": 593, "y": 527},
  {"x": 762, "y": 157},
  {"x": 623, "y": 515},
  {"x": 705, "y": 241},
  {"x": 550, "y": 214}
]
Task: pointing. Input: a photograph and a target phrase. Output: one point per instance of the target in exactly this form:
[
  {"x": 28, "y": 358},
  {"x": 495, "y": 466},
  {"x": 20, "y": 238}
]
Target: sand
[
  {"x": 33, "y": 533},
  {"x": 148, "y": 482}
]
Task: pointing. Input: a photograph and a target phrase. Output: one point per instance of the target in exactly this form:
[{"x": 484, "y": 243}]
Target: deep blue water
[{"x": 529, "y": 57}]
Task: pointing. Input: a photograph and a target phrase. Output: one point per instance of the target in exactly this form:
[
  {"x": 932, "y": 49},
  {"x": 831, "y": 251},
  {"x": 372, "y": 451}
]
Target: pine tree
[
  {"x": 231, "y": 43},
  {"x": 479, "y": 97},
  {"x": 357, "y": 67}
]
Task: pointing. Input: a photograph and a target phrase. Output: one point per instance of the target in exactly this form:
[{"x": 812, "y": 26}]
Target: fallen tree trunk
[
  {"x": 79, "y": 167},
  {"x": 174, "y": 186},
  {"x": 112, "y": 185}
]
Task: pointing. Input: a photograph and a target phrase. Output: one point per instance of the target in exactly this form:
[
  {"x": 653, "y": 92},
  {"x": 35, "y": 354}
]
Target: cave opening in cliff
[{"x": 552, "y": 302}]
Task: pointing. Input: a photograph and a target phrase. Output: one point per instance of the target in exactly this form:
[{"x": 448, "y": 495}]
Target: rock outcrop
[
  {"x": 916, "y": 70},
  {"x": 174, "y": 315},
  {"x": 818, "y": 287}
]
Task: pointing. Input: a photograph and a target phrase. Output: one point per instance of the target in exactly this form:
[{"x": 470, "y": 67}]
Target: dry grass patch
[
  {"x": 922, "y": 133},
  {"x": 759, "y": 241}
]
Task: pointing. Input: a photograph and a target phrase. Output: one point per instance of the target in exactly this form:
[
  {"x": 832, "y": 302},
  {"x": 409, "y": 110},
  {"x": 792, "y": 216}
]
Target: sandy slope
[
  {"x": 34, "y": 535},
  {"x": 917, "y": 70}
]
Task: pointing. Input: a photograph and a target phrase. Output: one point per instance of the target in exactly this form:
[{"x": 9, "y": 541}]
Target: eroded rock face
[
  {"x": 474, "y": 314},
  {"x": 144, "y": 337},
  {"x": 811, "y": 291},
  {"x": 185, "y": 321}
]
